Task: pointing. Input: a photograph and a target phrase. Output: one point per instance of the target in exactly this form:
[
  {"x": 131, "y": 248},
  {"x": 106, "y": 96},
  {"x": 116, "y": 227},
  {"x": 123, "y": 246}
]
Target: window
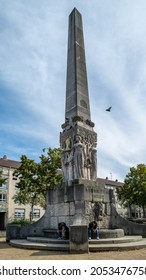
[
  {"x": 109, "y": 187},
  {"x": 36, "y": 213},
  {"x": 3, "y": 197},
  {"x": 4, "y": 185},
  {"x": 19, "y": 213},
  {"x": 5, "y": 171}
]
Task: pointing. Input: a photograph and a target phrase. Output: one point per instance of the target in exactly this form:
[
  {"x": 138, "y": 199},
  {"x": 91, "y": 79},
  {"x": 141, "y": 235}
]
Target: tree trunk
[
  {"x": 31, "y": 213},
  {"x": 144, "y": 211},
  {"x": 130, "y": 211}
]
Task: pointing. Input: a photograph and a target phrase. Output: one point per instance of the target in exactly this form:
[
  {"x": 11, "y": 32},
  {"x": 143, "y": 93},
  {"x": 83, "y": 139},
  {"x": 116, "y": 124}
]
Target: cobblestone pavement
[{"x": 10, "y": 253}]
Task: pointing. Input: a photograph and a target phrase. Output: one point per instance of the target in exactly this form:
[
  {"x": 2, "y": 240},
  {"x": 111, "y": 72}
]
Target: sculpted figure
[
  {"x": 63, "y": 162},
  {"x": 67, "y": 165},
  {"x": 93, "y": 157},
  {"x": 70, "y": 166},
  {"x": 68, "y": 144},
  {"x": 79, "y": 158},
  {"x": 88, "y": 158}
]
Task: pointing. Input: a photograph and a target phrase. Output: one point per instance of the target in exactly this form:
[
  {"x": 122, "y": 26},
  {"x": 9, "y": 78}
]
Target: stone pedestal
[
  {"x": 79, "y": 239},
  {"x": 78, "y": 204},
  {"x": 12, "y": 232}
]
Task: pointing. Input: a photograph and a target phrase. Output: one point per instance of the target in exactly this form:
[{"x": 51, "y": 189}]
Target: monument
[
  {"x": 78, "y": 140},
  {"x": 80, "y": 199}
]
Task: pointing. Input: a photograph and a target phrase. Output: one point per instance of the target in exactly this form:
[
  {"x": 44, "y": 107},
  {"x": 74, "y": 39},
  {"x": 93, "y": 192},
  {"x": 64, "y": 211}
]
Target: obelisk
[
  {"x": 78, "y": 139},
  {"x": 77, "y": 99}
]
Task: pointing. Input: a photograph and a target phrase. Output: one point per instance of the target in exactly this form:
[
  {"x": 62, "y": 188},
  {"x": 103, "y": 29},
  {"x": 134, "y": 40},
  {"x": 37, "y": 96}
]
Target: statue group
[{"x": 79, "y": 158}]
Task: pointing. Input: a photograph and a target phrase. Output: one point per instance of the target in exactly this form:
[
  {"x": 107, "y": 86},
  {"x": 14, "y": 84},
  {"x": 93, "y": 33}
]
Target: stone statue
[
  {"x": 63, "y": 159},
  {"x": 79, "y": 158},
  {"x": 93, "y": 158},
  {"x": 67, "y": 166},
  {"x": 70, "y": 165},
  {"x": 98, "y": 210}
]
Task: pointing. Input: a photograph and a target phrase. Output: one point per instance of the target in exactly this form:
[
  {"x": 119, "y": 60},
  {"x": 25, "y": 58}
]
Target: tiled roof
[
  {"x": 108, "y": 182},
  {"x": 9, "y": 163}
]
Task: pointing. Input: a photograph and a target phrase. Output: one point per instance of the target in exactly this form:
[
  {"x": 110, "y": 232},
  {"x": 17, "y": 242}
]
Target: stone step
[
  {"x": 47, "y": 240},
  {"x": 131, "y": 242},
  {"x": 103, "y": 233},
  {"x": 118, "y": 247},
  {"x": 24, "y": 243},
  {"x": 125, "y": 239}
]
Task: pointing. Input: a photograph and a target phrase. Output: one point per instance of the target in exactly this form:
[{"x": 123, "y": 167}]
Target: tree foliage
[
  {"x": 33, "y": 179},
  {"x": 48, "y": 169},
  {"x": 2, "y": 179},
  {"x": 133, "y": 192}
]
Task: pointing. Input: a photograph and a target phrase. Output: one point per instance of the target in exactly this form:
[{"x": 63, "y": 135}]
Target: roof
[
  {"x": 9, "y": 163},
  {"x": 108, "y": 182}
]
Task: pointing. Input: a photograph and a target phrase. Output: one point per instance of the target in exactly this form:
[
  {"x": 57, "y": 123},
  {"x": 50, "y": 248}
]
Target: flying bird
[{"x": 108, "y": 109}]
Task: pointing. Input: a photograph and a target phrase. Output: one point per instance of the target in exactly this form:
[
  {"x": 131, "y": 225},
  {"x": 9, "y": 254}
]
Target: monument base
[
  {"x": 78, "y": 203},
  {"x": 79, "y": 239}
]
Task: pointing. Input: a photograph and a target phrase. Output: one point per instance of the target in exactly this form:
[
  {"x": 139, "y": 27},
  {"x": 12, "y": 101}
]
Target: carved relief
[
  {"x": 99, "y": 210},
  {"x": 67, "y": 166},
  {"x": 90, "y": 123},
  {"x": 93, "y": 159},
  {"x": 68, "y": 144},
  {"x": 77, "y": 119},
  {"x": 79, "y": 159}
]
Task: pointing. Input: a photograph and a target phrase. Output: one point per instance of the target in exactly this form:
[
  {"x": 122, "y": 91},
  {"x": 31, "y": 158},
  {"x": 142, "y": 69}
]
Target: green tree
[
  {"x": 133, "y": 192},
  {"x": 26, "y": 176},
  {"x": 2, "y": 179},
  {"x": 35, "y": 178},
  {"x": 49, "y": 169}
]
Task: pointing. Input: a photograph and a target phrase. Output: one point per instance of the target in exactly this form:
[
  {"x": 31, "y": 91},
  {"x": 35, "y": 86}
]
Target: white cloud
[{"x": 33, "y": 69}]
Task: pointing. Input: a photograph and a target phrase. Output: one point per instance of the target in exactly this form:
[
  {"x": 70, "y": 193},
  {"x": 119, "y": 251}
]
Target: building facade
[
  {"x": 10, "y": 211},
  {"x": 113, "y": 185},
  {"x": 134, "y": 211}
]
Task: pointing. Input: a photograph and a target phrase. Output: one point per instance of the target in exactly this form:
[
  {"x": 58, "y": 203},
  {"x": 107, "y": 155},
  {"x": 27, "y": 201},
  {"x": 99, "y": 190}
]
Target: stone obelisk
[
  {"x": 78, "y": 140},
  {"x": 77, "y": 99}
]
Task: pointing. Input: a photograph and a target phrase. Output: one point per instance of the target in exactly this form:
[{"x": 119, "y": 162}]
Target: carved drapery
[{"x": 79, "y": 157}]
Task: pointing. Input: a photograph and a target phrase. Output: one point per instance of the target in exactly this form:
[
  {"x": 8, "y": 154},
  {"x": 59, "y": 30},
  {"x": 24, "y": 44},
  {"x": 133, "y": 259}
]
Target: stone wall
[
  {"x": 76, "y": 204},
  {"x": 79, "y": 203},
  {"x": 130, "y": 228}
]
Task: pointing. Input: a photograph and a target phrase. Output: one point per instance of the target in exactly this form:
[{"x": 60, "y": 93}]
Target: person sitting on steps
[
  {"x": 63, "y": 231},
  {"x": 93, "y": 229}
]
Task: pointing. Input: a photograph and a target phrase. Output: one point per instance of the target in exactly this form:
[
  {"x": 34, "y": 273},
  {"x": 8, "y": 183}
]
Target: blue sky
[{"x": 33, "y": 58}]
